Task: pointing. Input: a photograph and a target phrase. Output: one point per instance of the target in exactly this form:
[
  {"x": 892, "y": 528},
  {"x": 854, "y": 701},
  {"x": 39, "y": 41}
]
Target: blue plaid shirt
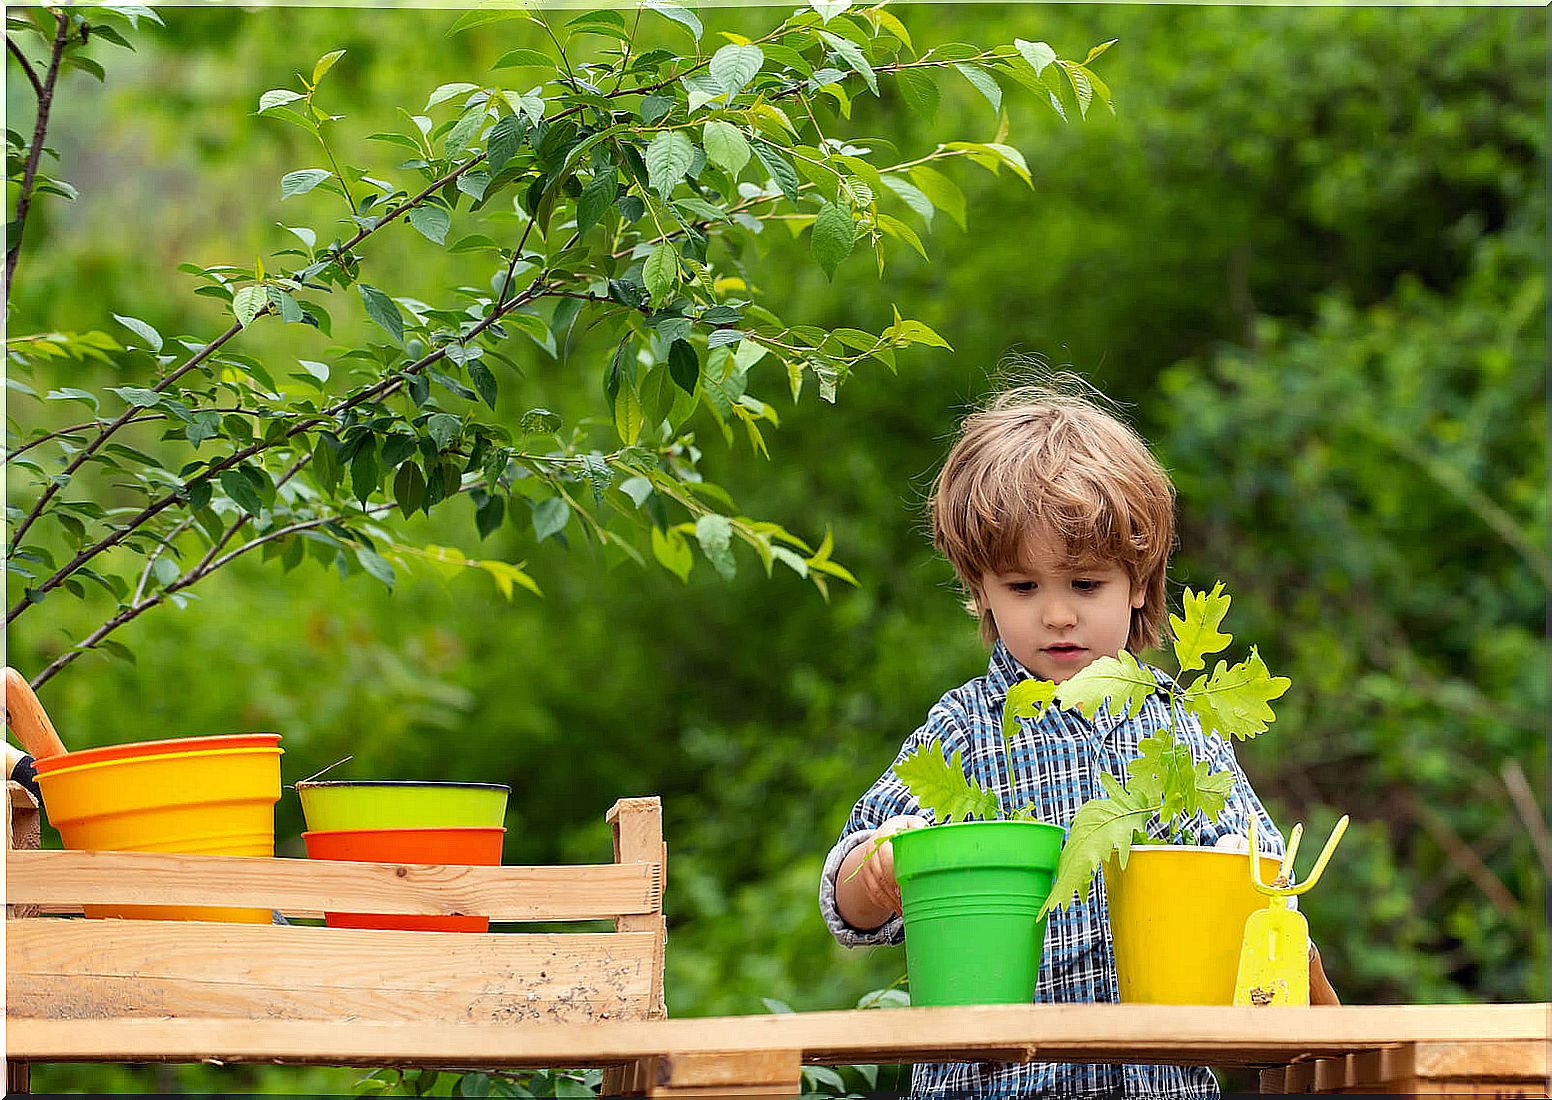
[{"x": 1056, "y": 765}]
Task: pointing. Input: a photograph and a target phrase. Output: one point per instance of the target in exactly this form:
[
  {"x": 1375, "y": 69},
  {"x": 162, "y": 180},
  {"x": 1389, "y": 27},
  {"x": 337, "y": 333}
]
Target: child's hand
[{"x": 876, "y": 877}]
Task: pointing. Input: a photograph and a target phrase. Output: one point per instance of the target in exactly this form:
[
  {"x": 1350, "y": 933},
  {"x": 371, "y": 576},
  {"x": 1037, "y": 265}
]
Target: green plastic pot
[
  {"x": 401, "y": 804},
  {"x": 971, "y": 895}
]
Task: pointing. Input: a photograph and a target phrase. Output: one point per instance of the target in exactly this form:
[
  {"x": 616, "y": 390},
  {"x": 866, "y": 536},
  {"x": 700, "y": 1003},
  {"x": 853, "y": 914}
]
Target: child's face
[{"x": 1056, "y": 619}]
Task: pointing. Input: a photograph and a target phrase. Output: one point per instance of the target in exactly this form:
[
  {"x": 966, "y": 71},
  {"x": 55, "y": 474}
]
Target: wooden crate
[{"x": 60, "y": 967}]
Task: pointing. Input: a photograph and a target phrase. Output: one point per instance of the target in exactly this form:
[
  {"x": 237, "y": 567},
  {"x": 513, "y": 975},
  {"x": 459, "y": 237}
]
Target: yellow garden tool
[{"x": 1274, "y": 960}]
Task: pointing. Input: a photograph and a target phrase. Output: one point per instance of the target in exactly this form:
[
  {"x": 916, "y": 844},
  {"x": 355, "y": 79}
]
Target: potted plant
[{"x": 1177, "y": 910}]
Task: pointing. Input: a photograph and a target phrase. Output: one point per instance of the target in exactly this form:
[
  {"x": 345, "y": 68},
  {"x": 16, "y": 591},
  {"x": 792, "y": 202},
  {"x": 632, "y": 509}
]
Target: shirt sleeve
[{"x": 888, "y": 797}]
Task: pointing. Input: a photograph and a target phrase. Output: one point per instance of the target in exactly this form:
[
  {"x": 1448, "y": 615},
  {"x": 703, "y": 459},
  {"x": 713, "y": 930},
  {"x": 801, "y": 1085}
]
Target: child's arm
[
  {"x": 1321, "y": 992},
  {"x": 866, "y": 893}
]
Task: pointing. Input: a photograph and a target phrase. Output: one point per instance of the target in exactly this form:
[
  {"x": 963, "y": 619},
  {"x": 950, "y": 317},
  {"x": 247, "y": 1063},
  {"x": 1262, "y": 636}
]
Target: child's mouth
[{"x": 1065, "y": 651}]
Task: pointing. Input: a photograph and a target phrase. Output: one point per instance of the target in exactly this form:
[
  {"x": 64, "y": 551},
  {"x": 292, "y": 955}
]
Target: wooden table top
[{"x": 1185, "y": 1035}]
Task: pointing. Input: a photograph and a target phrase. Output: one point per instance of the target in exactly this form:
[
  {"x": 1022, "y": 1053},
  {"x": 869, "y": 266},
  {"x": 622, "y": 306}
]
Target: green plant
[
  {"x": 1164, "y": 781},
  {"x": 610, "y": 191}
]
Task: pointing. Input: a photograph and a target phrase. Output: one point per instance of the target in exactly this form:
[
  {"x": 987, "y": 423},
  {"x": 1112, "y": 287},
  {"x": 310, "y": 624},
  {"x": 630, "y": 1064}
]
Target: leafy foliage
[{"x": 616, "y": 194}]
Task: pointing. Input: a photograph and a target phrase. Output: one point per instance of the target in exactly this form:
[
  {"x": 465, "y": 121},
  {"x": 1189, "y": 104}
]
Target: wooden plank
[
  {"x": 59, "y": 969},
  {"x": 23, "y": 831},
  {"x": 587, "y": 892},
  {"x": 771, "y": 1073},
  {"x": 100, "y": 998},
  {"x": 1490, "y": 1061},
  {"x": 1178, "y": 1035},
  {"x": 637, "y": 826}
]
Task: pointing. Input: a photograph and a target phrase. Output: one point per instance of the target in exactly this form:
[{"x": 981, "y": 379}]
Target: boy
[{"x": 1059, "y": 524}]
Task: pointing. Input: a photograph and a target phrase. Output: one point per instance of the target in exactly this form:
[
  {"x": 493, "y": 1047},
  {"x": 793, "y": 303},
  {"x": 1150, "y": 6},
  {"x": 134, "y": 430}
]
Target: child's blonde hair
[{"x": 1048, "y": 458}]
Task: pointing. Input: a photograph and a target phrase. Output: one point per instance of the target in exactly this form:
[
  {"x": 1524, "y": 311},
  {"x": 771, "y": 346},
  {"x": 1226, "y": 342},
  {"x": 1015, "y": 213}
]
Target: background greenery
[{"x": 1308, "y": 256}]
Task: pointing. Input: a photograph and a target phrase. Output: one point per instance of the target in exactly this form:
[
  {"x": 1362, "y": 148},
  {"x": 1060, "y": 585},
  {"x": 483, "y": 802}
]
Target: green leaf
[
  {"x": 443, "y": 429},
  {"x": 596, "y": 198},
  {"x": 715, "y": 534},
  {"x": 734, "y": 66},
  {"x": 86, "y": 397},
  {"x": 384, "y": 310},
  {"x": 1099, "y": 828},
  {"x": 668, "y": 159},
  {"x": 325, "y": 63},
  {"x": 829, "y": 9},
  {"x": 550, "y": 517},
  {"x": 1235, "y": 701},
  {"x": 478, "y": 17},
  {"x": 432, "y": 221},
  {"x": 628, "y": 419},
  {"x": 484, "y": 381},
  {"x": 983, "y": 83},
  {"x": 725, "y": 145},
  {"x": 277, "y": 97},
  {"x": 780, "y": 168},
  {"x": 375, "y": 564},
  {"x": 1038, "y": 54},
  {"x": 241, "y": 490},
  {"x": 152, "y": 338},
  {"x": 506, "y": 137},
  {"x": 682, "y": 16},
  {"x": 443, "y": 92},
  {"x": 299, "y": 183},
  {"x": 684, "y": 365},
  {"x": 833, "y": 237},
  {"x": 943, "y": 192},
  {"x": 409, "y": 489},
  {"x": 852, "y": 54},
  {"x": 661, "y": 272},
  {"x": 1197, "y": 634},
  {"x": 673, "y": 552},
  {"x": 1025, "y": 699},
  {"x": 943, "y": 786},
  {"x": 1081, "y": 86},
  {"x": 247, "y": 302},
  {"x": 513, "y": 58},
  {"x": 489, "y": 514},
  {"x": 1120, "y": 681},
  {"x": 464, "y": 130},
  {"x": 365, "y": 471}
]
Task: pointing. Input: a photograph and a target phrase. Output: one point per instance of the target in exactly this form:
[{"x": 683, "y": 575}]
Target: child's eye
[
  {"x": 1085, "y": 585},
  {"x": 1022, "y": 587}
]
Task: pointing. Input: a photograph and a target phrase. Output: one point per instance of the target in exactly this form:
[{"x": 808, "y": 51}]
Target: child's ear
[{"x": 1139, "y": 597}]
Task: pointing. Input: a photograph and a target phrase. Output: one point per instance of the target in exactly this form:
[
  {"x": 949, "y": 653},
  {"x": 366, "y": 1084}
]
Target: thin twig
[
  {"x": 1465, "y": 858},
  {"x": 34, "y": 154},
  {"x": 32, "y": 75},
  {"x": 1531, "y": 814}
]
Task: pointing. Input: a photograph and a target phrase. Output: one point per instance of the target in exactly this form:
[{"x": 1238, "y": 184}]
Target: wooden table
[{"x": 1470, "y": 1050}]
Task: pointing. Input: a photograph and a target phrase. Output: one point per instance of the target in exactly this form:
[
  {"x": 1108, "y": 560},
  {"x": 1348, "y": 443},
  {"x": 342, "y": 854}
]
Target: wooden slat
[
  {"x": 637, "y": 826},
  {"x": 769, "y": 1073},
  {"x": 1179, "y": 1035},
  {"x": 57, "y": 879},
  {"x": 1416, "y": 1065},
  {"x": 105, "y": 998},
  {"x": 1509, "y": 1061},
  {"x": 63, "y": 969}
]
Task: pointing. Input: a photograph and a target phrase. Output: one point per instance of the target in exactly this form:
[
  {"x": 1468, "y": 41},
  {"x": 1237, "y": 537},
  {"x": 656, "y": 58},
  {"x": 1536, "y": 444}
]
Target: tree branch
[
  {"x": 34, "y": 154},
  {"x": 151, "y": 511},
  {"x": 102, "y": 437},
  {"x": 32, "y": 75}
]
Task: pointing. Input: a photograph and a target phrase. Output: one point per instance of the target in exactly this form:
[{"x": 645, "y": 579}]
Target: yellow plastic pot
[
  {"x": 1177, "y": 919},
  {"x": 207, "y": 802}
]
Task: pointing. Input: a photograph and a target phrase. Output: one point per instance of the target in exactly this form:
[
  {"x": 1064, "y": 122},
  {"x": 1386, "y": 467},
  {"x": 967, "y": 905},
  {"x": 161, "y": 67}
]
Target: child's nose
[{"x": 1059, "y": 614}]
